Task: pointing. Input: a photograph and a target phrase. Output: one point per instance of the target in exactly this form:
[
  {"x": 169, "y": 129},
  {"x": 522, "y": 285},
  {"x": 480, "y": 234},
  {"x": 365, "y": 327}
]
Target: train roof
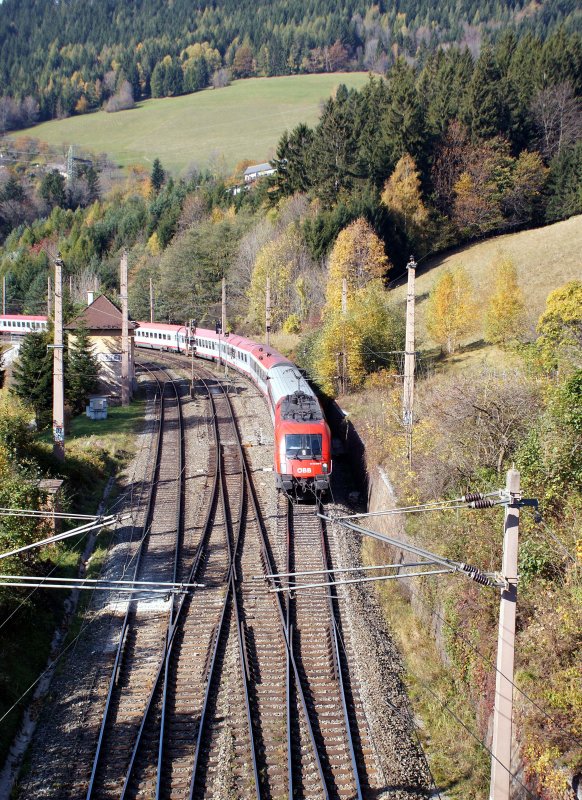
[
  {"x": 268, "y": 356},
  {"x": 161, "y": 326},
  {"x": 31, "y": 317}
]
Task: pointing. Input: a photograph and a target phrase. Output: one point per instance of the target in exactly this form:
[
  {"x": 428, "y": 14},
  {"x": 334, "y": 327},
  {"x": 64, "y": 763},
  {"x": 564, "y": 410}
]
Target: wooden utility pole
[
  {"x": 503, "y": 709},
  {"x": 268, "y": 311},
  {"x": 151, "y": 300},
  {"x": 124, "y": 332},
  {"x": 58, "y": 377},
  {"x": 409, "y": 360}
]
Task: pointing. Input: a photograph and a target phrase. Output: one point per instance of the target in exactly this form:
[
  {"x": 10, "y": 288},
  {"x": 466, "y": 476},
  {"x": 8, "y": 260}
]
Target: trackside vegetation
[{"x": 442, "y": 151}]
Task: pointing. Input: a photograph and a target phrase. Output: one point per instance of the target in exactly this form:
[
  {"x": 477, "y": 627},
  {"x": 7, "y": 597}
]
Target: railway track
[
  {"x": 228, "y": 690},
  {"x": 145, "y": 630}
]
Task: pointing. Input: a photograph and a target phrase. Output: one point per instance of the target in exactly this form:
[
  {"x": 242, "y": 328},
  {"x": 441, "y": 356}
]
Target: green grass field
[
  {"x": 243, "y": 120},
  {"x": 545, "y": 258}
]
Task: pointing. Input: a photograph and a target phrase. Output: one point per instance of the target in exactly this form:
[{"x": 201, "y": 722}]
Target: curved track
[{"x": 226, "y": 689}]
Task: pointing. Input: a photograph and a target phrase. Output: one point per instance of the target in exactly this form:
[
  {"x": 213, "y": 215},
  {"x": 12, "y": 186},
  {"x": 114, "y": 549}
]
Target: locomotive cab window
[{"x": 303, "y": 445}]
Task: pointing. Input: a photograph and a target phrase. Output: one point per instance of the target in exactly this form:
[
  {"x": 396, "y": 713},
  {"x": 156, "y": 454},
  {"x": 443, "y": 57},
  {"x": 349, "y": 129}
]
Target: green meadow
[{"x": 243, "y": 120}]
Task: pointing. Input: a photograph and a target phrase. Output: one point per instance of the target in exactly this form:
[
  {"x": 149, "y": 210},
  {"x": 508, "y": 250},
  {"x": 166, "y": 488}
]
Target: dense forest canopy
[{"x": 67, "y": 57}]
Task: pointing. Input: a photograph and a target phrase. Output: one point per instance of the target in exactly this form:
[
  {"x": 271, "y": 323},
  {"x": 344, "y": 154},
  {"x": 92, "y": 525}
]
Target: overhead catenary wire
[
  {"x": 46, "y": 514},
  {"x": 101, "y": 523},
  {"x": 298, "y": 587},
  {"x": 342, "y": 569},
  {"x": 456, "y": 566}
]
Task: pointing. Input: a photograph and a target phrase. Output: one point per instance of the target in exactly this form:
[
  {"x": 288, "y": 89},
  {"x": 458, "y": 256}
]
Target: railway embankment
[{"x": 470, "y": 427}]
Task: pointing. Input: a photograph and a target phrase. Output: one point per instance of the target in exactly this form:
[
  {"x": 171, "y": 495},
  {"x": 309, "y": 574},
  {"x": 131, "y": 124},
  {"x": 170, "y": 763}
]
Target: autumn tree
[
  {"x": 505, "y": 311},
  {"x": 560, "y": 327},
  {"x": 243, "y": 63},
  {"x": 284, "y": 260},
  {"x": 451, "y": 309},
  {"x": 402, "y": 196},
  {"x": 358, "y": 256},
  {"x": 358, "y": 342}
]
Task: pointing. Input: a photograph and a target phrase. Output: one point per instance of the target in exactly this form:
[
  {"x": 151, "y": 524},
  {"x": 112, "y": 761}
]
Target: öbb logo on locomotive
[{"x": 302, "y": 441}]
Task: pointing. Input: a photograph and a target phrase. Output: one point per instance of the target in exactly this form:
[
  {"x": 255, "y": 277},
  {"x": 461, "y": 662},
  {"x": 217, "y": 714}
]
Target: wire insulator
[
  {"x": 470, "y": 497},
  {"x": 476, "y": 575},
  {"x": 486, "y": 502}
]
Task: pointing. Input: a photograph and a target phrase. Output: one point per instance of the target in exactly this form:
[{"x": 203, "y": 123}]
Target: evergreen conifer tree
[
  {"x": 82, "y": 373},
  {"x": 158, "y": 176},
  {"x": 33, "y": 376},
  {"x": 2, "y": 371}
]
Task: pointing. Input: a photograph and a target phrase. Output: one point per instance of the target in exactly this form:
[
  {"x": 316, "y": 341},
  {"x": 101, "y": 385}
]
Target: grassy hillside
[
  {"x": 243, "y": 120},
  {"x": 545, "y": 258}
]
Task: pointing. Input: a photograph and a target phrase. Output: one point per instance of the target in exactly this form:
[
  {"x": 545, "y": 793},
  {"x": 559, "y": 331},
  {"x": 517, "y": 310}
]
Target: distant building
[
  {"x": 258, "y": 171},
  {"x": 102, "y": 319}
]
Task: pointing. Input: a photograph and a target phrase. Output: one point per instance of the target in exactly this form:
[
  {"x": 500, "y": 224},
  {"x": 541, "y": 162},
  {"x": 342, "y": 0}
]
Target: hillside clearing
[
  {"x": 242, "y": 121},
  {"x": 545, "y": 258}
]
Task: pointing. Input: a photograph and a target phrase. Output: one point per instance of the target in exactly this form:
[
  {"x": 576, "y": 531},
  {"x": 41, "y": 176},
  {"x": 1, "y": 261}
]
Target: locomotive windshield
[{"x": 303, "y": 445}]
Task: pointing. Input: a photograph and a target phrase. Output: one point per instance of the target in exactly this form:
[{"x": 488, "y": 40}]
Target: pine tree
[
  {"x": 504, "y": 315},
  {"x": 158, "y": 176},
  {"x": 33, "y": 376},
  {"x": 451, "y": 310},
  {"x": 82, "y": 373}
]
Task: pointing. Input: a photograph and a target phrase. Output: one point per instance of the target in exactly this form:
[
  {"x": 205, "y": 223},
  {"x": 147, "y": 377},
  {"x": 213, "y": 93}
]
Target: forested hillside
[
  {"x": 63, "y": 58},
  {"x": 446, "y": 150}
]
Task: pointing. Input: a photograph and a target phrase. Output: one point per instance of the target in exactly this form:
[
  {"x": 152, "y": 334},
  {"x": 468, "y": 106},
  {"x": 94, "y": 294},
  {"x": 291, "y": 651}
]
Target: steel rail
[
  {"x": 162, "y": 667},
  {"x": 298, "y": 682},
  {"x": 337, "y": 660},
  {"x": 129, "y": 611},
  {"x": 231, "y": 596},
  {"x": 286, "y": 628}
]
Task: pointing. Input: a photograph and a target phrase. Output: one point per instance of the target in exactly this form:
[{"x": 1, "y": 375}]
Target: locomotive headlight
[{"x": 324, "y": 468}]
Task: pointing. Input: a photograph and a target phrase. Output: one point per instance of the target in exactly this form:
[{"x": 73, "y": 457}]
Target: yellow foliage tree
[
  {"x": 275, "y": 260},
  {"x": 355, "y": 343},
  {"x": 560, "y": 328},
  {"x": 451, "y": 308},
  {"x": 357, "y": 255},
  {"x": 403, "y": 198},
  {"x": 505, "y": 312},
  {"x": 153, "y": 244}
]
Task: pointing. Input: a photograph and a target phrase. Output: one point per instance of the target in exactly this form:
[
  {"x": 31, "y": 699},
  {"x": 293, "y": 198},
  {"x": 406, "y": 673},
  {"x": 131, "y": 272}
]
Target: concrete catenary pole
[
  {"x": 268, "y": 312},
  {"x": 409, "y": 359},
  {"x": 124, "y": 332},
  {"x": 223, "y": 321},
  {"x": 58, "y": 377},
  {"x": 4, "y": 294},
  {"x": 151, "y": 300},
  {"x": 503, "y": 709},
  {"x": 49, "y": 304}
]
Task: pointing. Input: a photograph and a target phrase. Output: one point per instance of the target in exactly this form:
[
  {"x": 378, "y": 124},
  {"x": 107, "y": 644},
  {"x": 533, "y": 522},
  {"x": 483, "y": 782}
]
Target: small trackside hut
[{"x": 103, "y": 320}]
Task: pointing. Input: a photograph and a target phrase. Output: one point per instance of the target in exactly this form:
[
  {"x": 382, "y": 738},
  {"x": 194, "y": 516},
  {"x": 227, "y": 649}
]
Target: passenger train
[
  {"x": 302, "y": 457},
  {"x": 19, "y": 324}
]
